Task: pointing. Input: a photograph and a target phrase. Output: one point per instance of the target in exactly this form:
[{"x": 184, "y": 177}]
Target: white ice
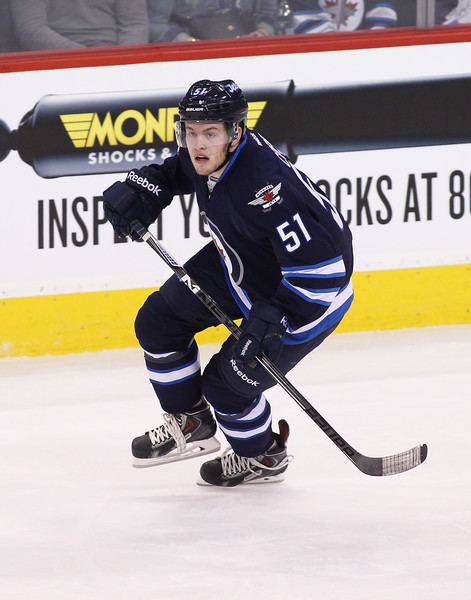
[{"x": 78, "y": 523}]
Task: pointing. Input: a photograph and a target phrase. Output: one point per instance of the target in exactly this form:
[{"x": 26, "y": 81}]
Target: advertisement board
[{"x": 385, "y": 131}]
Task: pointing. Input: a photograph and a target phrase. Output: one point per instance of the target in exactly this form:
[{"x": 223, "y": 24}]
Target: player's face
[{"x": 208, "y": 144}]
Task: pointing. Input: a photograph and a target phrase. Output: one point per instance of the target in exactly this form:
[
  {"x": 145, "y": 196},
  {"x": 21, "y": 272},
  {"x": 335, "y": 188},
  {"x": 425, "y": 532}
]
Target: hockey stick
[{"x": 387, "y": 465}]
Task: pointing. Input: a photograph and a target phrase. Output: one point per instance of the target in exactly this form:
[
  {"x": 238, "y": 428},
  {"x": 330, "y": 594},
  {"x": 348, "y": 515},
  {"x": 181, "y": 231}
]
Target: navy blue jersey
[{"x": 279, "y": 237}]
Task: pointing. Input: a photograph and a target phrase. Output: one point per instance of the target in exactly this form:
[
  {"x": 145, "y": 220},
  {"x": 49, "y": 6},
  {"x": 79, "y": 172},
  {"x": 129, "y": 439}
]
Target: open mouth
[{"x": 201, "y": 159}]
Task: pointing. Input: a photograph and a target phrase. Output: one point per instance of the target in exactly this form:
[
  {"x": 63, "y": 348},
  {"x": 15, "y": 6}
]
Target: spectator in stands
[
  {"x": 183, "y": 20},
  {"x": 406, "y": 13},
  {"x": 324, "y": 16},
  {"x": 7, "y": 40},
  {"x": 452, "y": 12},
  {"x": 47, "y": 24}
]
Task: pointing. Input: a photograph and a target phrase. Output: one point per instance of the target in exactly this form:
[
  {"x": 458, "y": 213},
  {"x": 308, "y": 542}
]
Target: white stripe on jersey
[
  {"x": 253, "y": 414},
  {"x": 160, "y": 355},
  {"x": 242, "y": 295},
  {"x": 339, "y": 300},
  {"x": 331, "y": 268},
  {"x": 319, "y": 296},
  {"x": 176, "y": 375},
  {"x": 246, "y": 434}
]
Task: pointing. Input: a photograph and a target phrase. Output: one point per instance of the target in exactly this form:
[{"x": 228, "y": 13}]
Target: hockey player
[{"x": 280, "y": 258}]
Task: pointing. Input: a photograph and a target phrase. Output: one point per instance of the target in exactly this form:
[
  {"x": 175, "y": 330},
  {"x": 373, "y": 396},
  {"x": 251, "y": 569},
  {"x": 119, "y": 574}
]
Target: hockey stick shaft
[{"x": 368, "y": 465}]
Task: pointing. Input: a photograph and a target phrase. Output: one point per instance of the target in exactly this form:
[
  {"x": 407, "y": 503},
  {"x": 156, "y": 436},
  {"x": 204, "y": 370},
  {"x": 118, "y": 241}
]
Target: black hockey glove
[
  {"x": 261, "y": 332},
  {"x": 140, "y": 198}
]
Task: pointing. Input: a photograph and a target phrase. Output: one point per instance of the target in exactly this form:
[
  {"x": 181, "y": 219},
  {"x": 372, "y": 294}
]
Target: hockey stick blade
[
  {"x": 392, "y": 465},
  {"x": 387, "y": 465}
]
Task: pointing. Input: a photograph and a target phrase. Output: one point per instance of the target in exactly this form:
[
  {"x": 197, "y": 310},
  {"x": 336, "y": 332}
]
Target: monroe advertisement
[{"x": 390, "y": 149}]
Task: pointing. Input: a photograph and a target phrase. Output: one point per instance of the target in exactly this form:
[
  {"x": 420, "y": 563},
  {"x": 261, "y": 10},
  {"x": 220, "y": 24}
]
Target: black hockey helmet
[{"x": 208, "y": 100}]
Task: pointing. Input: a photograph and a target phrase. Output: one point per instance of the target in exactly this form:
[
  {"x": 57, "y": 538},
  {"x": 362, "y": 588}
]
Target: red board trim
[{"x": 289, "y": 44}]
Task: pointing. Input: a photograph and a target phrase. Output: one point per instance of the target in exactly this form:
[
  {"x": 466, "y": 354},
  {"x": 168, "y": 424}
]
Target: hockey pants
[{"x": 165, "y": 327}]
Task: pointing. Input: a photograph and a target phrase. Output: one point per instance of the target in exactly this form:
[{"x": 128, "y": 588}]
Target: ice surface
[{"x": 78, "y": 523}]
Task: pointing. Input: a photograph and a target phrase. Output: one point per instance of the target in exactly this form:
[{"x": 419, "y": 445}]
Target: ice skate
[
  {"x": 230, "y": 469},
  {"x": 180, "y": 437}
]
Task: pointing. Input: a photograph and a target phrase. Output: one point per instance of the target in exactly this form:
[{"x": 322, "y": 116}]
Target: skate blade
[
  {"x": 192, "y": 450},
  {"x": 275, "y": 479}
]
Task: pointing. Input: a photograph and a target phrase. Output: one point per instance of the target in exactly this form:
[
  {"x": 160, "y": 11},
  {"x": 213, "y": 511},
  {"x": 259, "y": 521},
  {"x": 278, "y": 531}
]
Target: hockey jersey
[{"x": 279, "y": 237}]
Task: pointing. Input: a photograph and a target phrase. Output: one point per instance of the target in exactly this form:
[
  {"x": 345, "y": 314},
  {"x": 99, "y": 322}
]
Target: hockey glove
[
  {"x": 140, "y": 198},
  {"x": 261, "y": 332}
]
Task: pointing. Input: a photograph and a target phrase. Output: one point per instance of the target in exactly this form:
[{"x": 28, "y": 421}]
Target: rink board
[
  {"x": 67, "y": 285},
  {"x": 69, "y": 323}
]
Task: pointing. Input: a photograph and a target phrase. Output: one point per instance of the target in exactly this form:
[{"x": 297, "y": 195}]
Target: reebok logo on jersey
[
  {"x": 144, "y": 182},
  {"x": 267, "y": 196}
]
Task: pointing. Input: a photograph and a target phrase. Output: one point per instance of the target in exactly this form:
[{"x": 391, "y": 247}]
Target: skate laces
[
  {"x": 233, "y": 464},
  {"x": 170, "y": 429}
]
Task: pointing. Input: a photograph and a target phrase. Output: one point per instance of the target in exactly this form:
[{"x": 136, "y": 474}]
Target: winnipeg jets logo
[
  {"x": 267, "y": 196},
  {"x": 347, "y": 14}
]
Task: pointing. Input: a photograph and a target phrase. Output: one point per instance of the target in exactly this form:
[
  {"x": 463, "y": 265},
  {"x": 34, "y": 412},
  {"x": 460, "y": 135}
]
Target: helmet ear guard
[{"x": 233, "y": 130}]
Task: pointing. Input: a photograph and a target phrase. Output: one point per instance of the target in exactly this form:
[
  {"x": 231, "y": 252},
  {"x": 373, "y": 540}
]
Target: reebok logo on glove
[
  {"x": 144, "y": 183},
  {"x": 246, "y": 346},
  {"x": 242, "y": 375},
  {"x": 261, "y": 331}
]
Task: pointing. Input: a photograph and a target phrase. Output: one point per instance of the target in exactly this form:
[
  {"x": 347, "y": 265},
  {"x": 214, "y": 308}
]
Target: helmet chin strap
[{"x": 226, "y": 159}]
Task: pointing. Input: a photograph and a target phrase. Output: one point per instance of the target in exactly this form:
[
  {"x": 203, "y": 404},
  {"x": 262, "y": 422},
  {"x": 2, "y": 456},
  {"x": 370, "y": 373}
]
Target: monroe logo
[
  {"x": 88, "y": 130},
  {"x": 132, "y": 127},
  {"x": 255, "y": 112},
  {"x": 242, "y": 375},
  {"x": 144, "y": 182},
  {"x": 267, "y": 196}
]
